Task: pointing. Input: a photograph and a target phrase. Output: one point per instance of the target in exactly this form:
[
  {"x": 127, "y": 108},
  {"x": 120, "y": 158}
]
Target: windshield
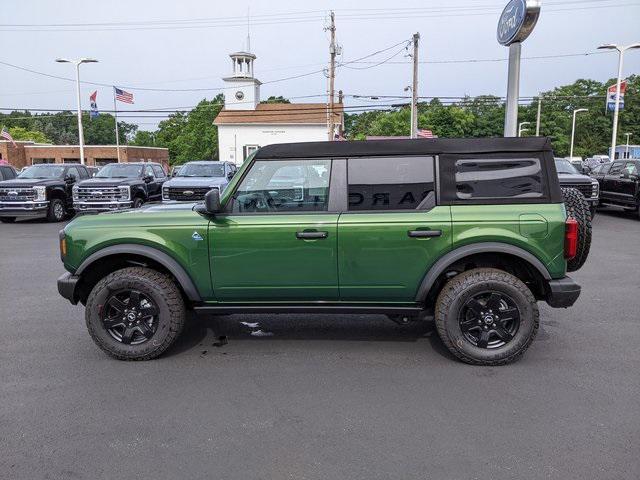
[
  {"x": 564, "y": 166},
  {"x": 119, "y": 170},
  {"x": 42, "y": 171},
  {"x": 200, "y": 170}
]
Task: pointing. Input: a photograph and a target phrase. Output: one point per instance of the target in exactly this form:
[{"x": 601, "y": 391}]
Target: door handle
[
  {"x": 424, "y": 233},
  {"x": 311, "y": 235}
]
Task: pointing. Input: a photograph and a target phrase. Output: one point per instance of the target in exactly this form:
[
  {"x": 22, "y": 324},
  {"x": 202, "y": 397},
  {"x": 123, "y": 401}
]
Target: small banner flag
[
  {"x": 93, "y": 113},
  {"x": 422, "y": 133},
  {"x": 611, "y": 96}
]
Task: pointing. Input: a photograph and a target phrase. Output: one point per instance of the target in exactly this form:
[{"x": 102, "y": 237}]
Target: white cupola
[{"x": 242, "y": 90}]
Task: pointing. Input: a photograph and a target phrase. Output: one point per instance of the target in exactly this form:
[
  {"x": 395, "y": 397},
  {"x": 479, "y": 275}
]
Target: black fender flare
[
  {"x": 183, "y": 278},
  {"x": 453, "y": 256}
]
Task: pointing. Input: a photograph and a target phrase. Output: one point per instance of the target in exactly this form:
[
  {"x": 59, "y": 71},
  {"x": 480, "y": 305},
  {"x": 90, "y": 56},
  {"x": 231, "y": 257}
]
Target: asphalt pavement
[{"x": 319, "y": 396}]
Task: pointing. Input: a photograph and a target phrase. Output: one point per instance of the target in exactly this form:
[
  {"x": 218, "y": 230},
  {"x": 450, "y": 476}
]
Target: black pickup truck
[
  {"x": 619, "y": 183},
  {"x": 120, "y": 186},
  {"x": 570, "y": 177},
  {"x": 42, "y": 190}
]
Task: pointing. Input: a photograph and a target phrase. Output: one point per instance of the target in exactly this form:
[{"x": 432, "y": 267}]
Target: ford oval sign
[{"x": 517, "y": 20}]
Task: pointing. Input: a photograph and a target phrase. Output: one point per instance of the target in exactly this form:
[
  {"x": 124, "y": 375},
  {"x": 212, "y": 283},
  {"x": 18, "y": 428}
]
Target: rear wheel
[
  {"x": 56, "y": 211},
  {"x": 578, "y": 208},
  {"x": 135, "y": 313},
  {"x": 486, "y": 317},
  {"x": 7, "y": 219}
]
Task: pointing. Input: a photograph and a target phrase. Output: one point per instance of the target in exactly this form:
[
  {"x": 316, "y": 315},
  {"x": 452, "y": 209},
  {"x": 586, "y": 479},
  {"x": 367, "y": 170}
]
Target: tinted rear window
[
  {"x": 389, "y": 183},
  {"x": 489, "y": 178}
]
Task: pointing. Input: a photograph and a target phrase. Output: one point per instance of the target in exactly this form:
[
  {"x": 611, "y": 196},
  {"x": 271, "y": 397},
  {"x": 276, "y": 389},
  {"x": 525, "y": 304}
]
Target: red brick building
[{"x": 28, "y": 153}]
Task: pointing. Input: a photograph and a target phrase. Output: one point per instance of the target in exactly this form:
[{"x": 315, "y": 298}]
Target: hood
[
  {"x": 30, "y": 182},
  {"x": 109, "y": 182},
  {"x": 574, "y": 178},
  {"x": 196, "y": 182}
]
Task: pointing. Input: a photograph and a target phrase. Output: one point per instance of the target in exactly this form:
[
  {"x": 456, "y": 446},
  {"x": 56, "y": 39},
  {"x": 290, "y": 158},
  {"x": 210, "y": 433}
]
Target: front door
[
  {"x": 611, "y": 182},
  {"x": 629, "y": 183},
  {"x": 277, "y": 240},
  {"x": 392, "y": 231}
]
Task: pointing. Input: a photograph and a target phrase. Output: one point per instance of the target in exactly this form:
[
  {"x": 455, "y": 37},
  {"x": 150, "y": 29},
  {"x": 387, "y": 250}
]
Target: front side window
[
  {"x": 488, "y": 178},
  {"x": 73, "y": 172},
  {"x": 42, "y": 171},
  {"x": 284, "y": 186},
  {"x": 158, "y": 171},
  {"x": 616, "y": 168},
  {"x": 390, "y": 183}
]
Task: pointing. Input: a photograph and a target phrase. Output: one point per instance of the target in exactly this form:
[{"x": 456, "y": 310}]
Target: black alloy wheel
[
  {"x": 489, "y": 319},
  {"x": 130, "y": 317}
]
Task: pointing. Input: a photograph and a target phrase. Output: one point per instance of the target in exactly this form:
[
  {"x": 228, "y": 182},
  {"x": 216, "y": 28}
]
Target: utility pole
[
  {"x": 332, "y": 78},
  {"x": 414, "y": 88},
  {"x": 538, "y": 115}
]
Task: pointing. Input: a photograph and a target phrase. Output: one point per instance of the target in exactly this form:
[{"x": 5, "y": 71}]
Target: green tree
[
  {"x": 278, "y": 99},
  {"x": 21, "y": 133}
]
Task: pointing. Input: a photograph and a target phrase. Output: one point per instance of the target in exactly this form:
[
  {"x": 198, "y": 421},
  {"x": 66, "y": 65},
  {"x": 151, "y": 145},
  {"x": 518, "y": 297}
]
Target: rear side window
[
  {"x": 390, "y": 183},
  {"x": 499, "y": 178}
]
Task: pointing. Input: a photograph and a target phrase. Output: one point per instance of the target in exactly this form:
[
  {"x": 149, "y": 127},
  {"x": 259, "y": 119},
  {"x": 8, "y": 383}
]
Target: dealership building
[{"x": 23, "y": 154}]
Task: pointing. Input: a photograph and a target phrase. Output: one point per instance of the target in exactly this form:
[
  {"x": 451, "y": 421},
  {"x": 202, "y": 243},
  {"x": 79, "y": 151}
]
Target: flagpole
[{"x": 115, "y": 114}]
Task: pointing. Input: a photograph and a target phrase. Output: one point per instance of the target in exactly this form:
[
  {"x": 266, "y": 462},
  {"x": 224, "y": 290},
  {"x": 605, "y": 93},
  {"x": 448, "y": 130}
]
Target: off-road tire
[
  {"x": 592, "y": 212},
  {"x": 161, "y": 289},
  {"x": 137, "y": 202},
  {"x": 7, "y": 219},
  {"x": 578, "y": 208},
  {"x": 464, "y": 286},
  {"x": 56, "y": 211}
]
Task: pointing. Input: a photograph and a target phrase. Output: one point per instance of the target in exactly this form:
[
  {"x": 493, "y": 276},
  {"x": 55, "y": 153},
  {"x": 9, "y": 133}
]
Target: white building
[{"x": 245, "y": 124}]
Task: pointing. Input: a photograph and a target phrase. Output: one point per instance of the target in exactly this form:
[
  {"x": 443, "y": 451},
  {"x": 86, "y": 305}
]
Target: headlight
[
  {"x": 41, "y": 193},
  {"x": 125, "y": 193},
  {"x": 74, "y": 192},
  {"x": 165, "y": 193},
  {"x": 595, "y": 189}
]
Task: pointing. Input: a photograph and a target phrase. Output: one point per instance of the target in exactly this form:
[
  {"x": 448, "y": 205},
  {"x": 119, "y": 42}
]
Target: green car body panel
[{"x": 366, "y": 257}]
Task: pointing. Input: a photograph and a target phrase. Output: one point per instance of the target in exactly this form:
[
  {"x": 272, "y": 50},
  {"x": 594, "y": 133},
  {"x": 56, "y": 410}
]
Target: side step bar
[{"x": 310, "y": 308}]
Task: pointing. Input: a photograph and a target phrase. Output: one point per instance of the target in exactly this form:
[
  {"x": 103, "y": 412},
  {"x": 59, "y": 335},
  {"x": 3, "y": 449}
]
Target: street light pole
[
  {"x": 520, "y": 129},
  {"x": 621, "y": 49},
  {"x": 573, "y": 128},
  {"x": 80, "y": 130},
  {"x": 627, "y": 149}
]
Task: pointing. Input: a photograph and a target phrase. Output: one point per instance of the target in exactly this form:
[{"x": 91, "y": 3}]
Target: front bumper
[
  {"x": 30, "y": 208},
  {"x": 102, "y": 206},
  {"x": 563, "y": 292},
  {"x": 67, "y": 287}
]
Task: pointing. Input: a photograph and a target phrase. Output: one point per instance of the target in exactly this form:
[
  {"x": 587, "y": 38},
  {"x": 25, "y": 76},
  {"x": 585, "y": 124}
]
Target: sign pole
[
  {"x": 115, "y": 115},
  {"x": 616, "y": 111},
  {"x": 513, "y": 91}
]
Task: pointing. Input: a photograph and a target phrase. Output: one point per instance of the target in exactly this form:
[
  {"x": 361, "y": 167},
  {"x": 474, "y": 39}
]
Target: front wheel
[
  {"x": 135, "y": 313},
  {"x": 56, "y": 211},
  {"x": 137, "y": 202},
  {"x": 486, "y": 316}
]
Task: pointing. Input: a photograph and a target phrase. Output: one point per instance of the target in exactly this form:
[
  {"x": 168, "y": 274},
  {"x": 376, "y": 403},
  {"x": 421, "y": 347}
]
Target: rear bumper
[
  {"x": 67, "y": 287},
  {"x": 563, "y": 292}
]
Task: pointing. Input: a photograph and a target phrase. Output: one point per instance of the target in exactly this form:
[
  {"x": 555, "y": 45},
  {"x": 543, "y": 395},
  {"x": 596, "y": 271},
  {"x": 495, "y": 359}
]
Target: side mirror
[
  {"x": 230, "y": 175},
  {"x": 211, "y": 204},
  {"x": 69, "y": 178},
  {"x": 148, "y": 178}
]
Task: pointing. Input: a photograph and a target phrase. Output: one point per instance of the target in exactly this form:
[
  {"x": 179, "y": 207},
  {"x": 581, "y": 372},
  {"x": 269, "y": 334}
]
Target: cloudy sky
[{"x": 181, "y": 48}]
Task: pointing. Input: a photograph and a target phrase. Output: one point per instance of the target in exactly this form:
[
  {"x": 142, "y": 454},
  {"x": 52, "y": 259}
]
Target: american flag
[
  {"x": 122, "y": 96},
  {"x": 7, "y": 136},
  {"x": 425, "y": 133}
]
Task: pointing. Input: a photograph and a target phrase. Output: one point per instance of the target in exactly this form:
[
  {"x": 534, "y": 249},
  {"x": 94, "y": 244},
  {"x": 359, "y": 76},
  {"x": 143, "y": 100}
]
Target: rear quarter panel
[{"x": 536, "y": 228}]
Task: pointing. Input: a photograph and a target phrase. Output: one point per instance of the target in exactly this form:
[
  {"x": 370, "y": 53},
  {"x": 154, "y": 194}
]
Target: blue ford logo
[{"x": 511, "y": 21}]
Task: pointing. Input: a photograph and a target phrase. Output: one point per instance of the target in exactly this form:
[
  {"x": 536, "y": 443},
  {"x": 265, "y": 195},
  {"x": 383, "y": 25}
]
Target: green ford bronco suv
[{"x": 470, "y": 231}]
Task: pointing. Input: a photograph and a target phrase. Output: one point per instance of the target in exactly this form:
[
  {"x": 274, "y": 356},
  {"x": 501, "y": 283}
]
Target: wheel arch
[
  {"x": 503, "y": 256},
  {"x": 114, "y": 257}
]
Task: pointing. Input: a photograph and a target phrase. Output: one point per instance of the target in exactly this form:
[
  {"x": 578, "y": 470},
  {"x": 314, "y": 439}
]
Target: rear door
[
  {"x": 392, "y": 229},
  {"x": 276, "y": 240},
  {"x": 629, "y": 183}
]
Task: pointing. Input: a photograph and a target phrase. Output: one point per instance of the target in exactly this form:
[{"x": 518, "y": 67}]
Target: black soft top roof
[{"x": 403, "y": 147}]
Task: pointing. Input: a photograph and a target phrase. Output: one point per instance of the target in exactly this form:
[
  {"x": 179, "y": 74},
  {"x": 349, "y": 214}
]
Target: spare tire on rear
[{"x": 578, "y": 208}]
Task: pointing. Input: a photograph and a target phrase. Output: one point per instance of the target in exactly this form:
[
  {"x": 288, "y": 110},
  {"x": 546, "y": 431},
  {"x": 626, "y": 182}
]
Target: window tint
[
  {"x": 488, "y": 178},
  {"x": 605, "y": 168},
  {"x": 73, "y": 171},
  {"x": 616, "y": 168},
  {"x": 148, "y": 171},
  {"x": 83, "y": 173},
  {"x": 158, "y": 171},
  {"x": 389, "y": 183},
  {"x": 284, "y": 186}
]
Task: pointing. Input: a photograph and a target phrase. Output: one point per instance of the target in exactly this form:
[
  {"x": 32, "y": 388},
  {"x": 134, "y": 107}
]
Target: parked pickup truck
[
  {"x": 620, "y": 183},
  {"x": 472, "y": 232},
  {"x": 570, "y": 177},
  {"x": 194, "y": 179},
  {"x": 42, "y": 190},
  {"x": 120, "y": 186}
]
